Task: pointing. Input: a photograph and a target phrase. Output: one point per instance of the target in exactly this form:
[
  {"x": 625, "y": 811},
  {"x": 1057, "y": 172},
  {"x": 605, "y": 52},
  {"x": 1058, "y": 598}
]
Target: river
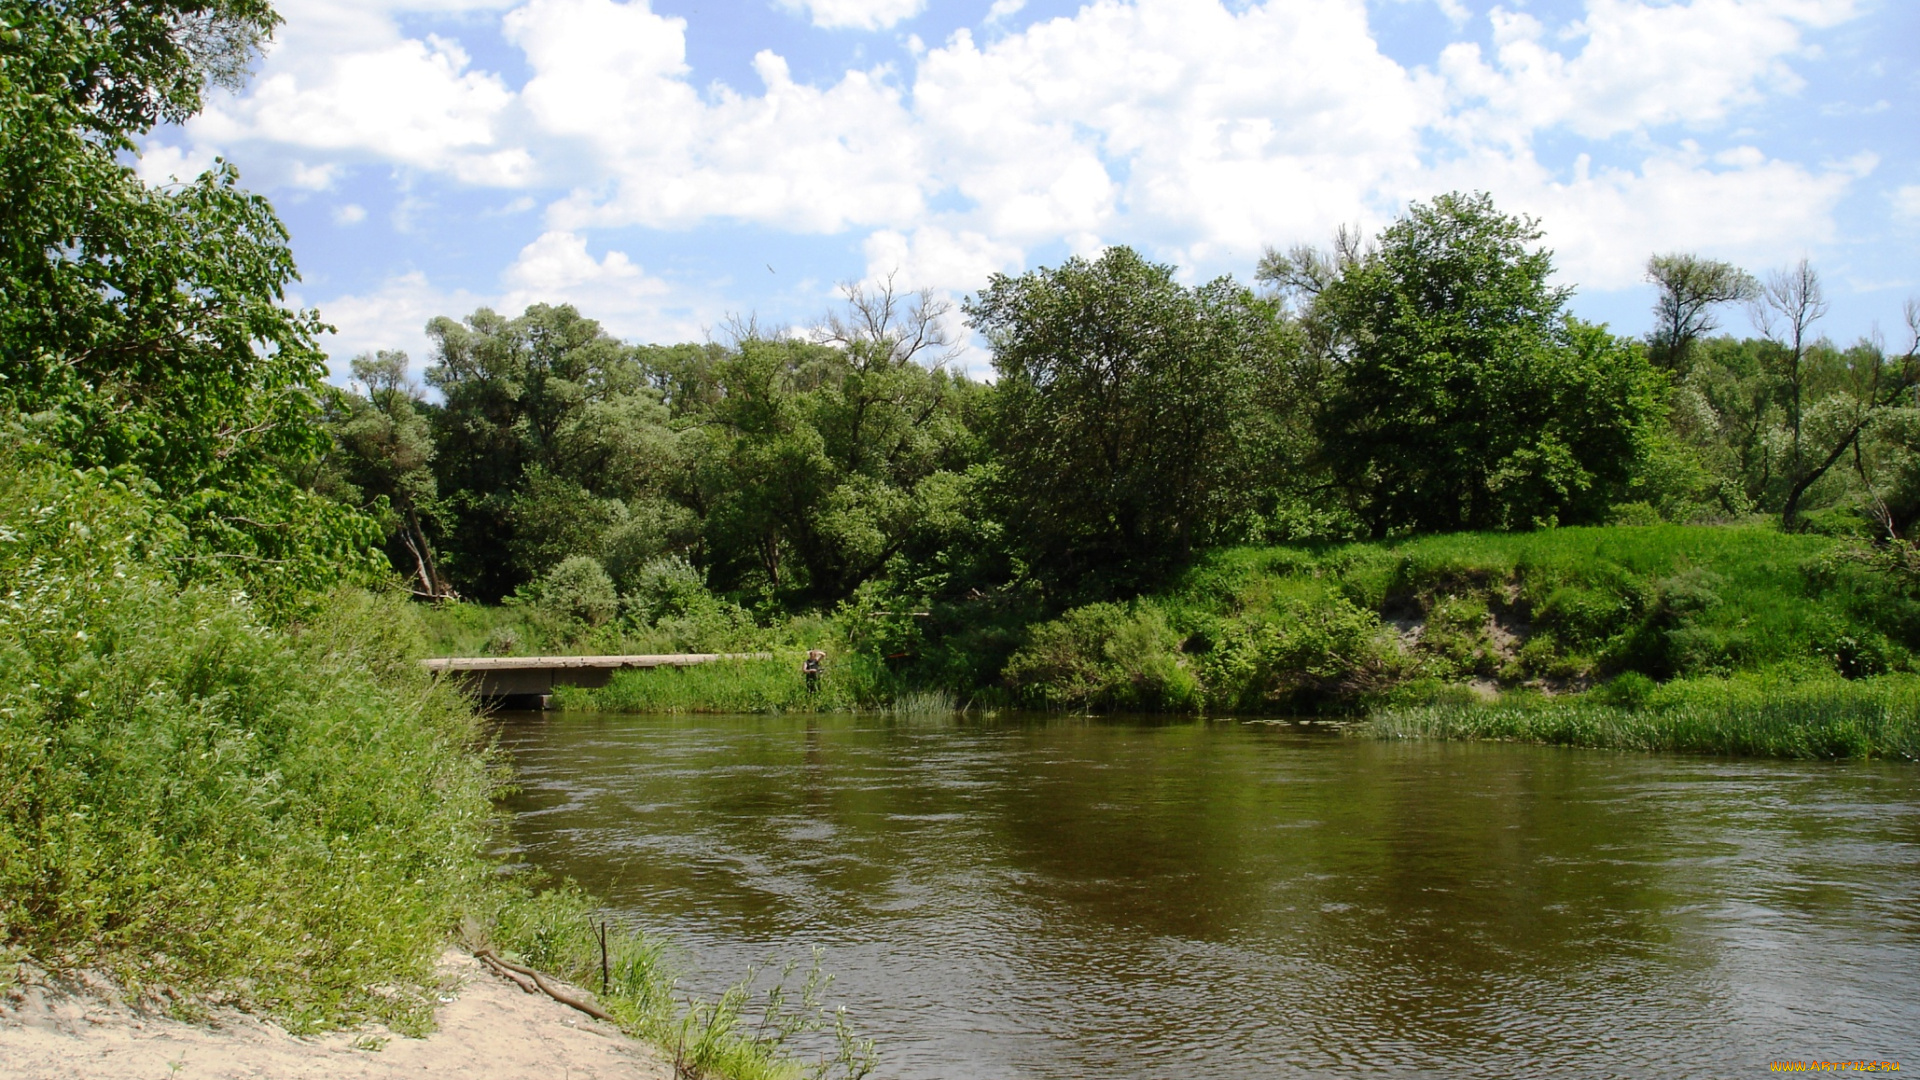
[{"x": 1043, "y": 898}]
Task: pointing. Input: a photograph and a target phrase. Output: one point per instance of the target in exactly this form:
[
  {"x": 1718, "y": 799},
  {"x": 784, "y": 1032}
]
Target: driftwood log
[{"x": 512, "y": 971}]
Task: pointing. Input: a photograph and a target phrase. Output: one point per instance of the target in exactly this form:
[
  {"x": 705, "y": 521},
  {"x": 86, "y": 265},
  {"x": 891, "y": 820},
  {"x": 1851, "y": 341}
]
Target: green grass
[
  {"x": 1752, "y": 716},
  {"x": 734, "y": 686}
]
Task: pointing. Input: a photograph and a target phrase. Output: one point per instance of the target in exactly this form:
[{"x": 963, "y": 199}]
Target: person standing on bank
[{"x": 816, "y": 660}]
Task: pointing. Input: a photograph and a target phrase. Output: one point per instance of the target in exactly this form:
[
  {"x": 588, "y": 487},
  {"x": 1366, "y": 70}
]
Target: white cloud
[
  {"x": 1188, "y": 120},
  {"x": 1003, "y": 9},
  {"x": 557, "y": 268},
  {"x": 160, "y": 164},
  {"x": 345, "y": 80},
  {"x": 394, "y": 316},
  {"x": 857, "y": 14},
  {"x": 938, "y": 258},
  {"x": 1603, "y": 223},
  {"x": 1906, "y": 202},
  {"x": 349, "y": 214},
  {"x": 1640, "y": 65},
  {"x": 612, "y": 77}
]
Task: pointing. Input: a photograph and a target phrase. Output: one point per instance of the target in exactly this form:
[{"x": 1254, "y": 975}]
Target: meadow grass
[{"x": 1752, "y": 716}]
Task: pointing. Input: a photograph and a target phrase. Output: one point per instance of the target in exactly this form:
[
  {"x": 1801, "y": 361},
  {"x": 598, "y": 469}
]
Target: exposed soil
[{"x": 489, "y": 1028}]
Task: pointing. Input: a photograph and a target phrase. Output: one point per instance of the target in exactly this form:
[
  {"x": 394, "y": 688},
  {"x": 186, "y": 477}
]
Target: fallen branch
[
  {"x": 499, "y": 969},
  {"x": 560, "y": 996}
]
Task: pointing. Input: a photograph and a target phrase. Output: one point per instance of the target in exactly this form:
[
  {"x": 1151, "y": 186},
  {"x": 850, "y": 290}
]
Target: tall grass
[
  {"x": 1824, "y": 718},
  {"x": 734, "y": 686},
  {"x": 291, "y": 819}
]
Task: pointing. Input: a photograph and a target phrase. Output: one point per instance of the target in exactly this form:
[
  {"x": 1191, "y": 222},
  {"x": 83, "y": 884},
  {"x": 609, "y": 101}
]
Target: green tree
[
  {"x": 382, "y": 462},
  {"x": 1465, "y": 397},
  {"x": 1128, "y": 414},
  {"x": 1690, "y": 288},
  {"x": 517, "y": 454},
  {"x": 143, "y": 328},
  {"x": 821, "y": 462}
]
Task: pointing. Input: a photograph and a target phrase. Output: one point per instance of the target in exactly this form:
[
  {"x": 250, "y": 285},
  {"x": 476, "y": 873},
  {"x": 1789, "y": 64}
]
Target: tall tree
[
  {"x": 521, "y": 483},
  {"x": 1690, "y": 289},
  {"x": 1466, "y": 398},
  {"x": 1127, "y": 412},
  {"x": 144, "y": 327},
  {"x": 382, "y": 462}
]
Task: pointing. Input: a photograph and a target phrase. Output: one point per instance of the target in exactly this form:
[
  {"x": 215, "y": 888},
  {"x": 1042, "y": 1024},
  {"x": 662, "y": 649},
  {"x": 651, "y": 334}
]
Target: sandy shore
[{"x": 489, "y": 1029}]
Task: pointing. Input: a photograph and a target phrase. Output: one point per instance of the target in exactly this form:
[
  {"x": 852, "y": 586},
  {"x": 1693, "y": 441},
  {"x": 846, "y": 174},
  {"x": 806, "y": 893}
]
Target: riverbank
[
  {"x": 1719, "y": 639},
  {"x": 281, "y": 816},
  {"x": 484, "y": 1027},
  {"x": 1753, "y": 717}
]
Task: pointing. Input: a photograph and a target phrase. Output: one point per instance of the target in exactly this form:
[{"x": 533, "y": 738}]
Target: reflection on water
[{"x": 1073, "y": 898}]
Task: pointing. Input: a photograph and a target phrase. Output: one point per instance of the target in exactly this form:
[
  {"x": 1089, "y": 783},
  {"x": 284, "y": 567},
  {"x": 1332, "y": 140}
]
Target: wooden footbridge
[{"x": 527, "y": 682}]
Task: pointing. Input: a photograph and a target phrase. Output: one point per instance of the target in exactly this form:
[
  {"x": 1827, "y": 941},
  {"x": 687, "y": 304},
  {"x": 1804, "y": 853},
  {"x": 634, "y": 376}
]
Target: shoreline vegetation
[
  {"x": 1712, "y": 639},
  {"x": 293, "y": 820}
]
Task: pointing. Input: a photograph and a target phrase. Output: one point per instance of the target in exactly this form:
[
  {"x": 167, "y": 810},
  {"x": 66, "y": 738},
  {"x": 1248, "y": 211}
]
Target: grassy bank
[
  {"x": 1752, "y": 716},
  {"x": 1738, "y": 640},
  {"x": 287, "y": 817}
]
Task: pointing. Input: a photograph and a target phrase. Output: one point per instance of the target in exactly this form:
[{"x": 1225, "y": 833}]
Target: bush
[
  {"x": 1104, "y": 656},
  {"x": 1306, "y": 658},
  {"x": 662, "y": 588},
  {"x": 291, "y": 818},
  {"x": 577, "y": 591}
]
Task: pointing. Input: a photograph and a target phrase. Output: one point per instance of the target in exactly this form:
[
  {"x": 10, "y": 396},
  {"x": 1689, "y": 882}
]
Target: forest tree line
[{"x": 1429, "y": 379}]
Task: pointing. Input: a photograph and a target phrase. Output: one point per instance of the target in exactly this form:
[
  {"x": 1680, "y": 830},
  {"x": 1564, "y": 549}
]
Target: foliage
[
  {"x": 143, "y": 328},
  {"x": 1754, "y": 715},
  {"x": 1105, "y": 656},
  {"x": 287, "y": 818},
  {"x": 577, "y": 591},
  {"x": 773, "y": 685},
  {"x": 1466, "y": 398},
  {"x": 1128, "y": 413}
]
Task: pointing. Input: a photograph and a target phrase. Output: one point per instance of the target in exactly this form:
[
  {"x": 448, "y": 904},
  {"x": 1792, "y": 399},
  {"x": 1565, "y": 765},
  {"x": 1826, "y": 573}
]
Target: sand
[{"x": 488, "y": 1028}]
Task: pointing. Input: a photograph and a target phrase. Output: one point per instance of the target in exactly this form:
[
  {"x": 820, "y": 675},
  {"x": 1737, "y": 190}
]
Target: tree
[
  {"x": 382, "y": 462},
  {"x": 1465, "y": 397},
  {"x": 523, "y": 399},
  {"x": 1690, "y": 288},
  {"x": 1127, "y": 414},
  {"x": 821, "y": 461},
  {"x": 143, "y": 328}
]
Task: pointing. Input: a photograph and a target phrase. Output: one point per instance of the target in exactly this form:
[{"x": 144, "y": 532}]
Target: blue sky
[{"x": 664, "y": 164}]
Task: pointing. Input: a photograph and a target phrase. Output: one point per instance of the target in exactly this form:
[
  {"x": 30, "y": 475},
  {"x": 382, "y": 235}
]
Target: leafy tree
[
  {"x": 1128, "y": 414},
  {"x": 820, "y": 462},
  {"x": 1466, "y": 398},
  {"x": 1690, "y": 288},
  {"x": 525, "y": 439},
  {"x": 382, "y": 462},
  {"x": 143, "y": 328}
]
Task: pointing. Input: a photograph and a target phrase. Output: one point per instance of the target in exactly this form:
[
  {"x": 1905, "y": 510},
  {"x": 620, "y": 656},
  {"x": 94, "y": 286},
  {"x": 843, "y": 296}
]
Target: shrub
[
  {"x": 197, "y": 800},
  {"x": 1308, "y": 658},
  {"x": 1104, "y": 656},
  {"x": 579, "y": 591}
]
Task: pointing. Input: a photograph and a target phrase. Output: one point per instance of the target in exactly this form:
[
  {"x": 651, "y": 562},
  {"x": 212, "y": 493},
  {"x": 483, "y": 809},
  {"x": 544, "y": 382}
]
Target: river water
[{"x": 1052, "y": 898}]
